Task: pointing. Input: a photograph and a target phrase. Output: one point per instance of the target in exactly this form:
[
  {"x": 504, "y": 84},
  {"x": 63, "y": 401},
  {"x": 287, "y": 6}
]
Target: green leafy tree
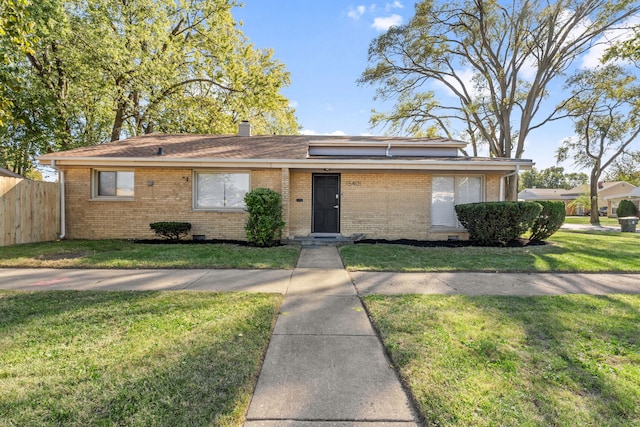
[
  {"x": 16, "y": 31},
  {"x": 108, "y": 69},
  {"x": 576, "y": 179},
  {"x": 496, "y": 43},
  {"x": 626, "y": 168},
  {"x": 604, "y": 107},
  {"x": 626, "y": 49},
  {"x": 553, "y": 177}
]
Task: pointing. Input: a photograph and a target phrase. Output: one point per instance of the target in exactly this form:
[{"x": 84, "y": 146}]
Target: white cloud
[
  {"x": 384, "y": 23},
  {"x": 464, "y": 80},
  {"x": 356, "y": 13},
  {"x": 592, "y": 59},
  {"x": 293, "y": 104},
  {"x": 313, "y": 132},
  {"x": 395, "y": 5}
]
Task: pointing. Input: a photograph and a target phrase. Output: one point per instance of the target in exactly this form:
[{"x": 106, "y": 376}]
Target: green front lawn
[
  {"x": 567, "y": 251},
  {"x": 131, "y": 358},
  {"x": 126, "y": 254},
  {"x": 585, "y": 220},
  {"x": 509, "y": 361}
]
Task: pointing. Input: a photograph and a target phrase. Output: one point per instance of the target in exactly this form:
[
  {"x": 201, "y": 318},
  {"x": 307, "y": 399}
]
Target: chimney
[{"x": 244, "y": 128}]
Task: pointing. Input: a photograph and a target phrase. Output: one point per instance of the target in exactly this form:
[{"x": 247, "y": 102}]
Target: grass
[
  {"x": 492, "y": 361},
  {"x": 131, "y": 358},
  {"x": 585, "y": 220},
  {"x": 567, "y": 251},
  {"x": 126, "y": 254}
]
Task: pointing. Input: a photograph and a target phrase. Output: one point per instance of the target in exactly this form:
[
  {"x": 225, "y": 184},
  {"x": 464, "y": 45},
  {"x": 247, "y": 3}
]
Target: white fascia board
[{"x": 423, "y": 164}]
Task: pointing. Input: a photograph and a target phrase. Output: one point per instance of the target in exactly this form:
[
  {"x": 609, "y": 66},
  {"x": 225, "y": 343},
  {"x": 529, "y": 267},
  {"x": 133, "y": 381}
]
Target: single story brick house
[
  {"x": 379, "y": 187},
  {"x": 609, "y": 196}
]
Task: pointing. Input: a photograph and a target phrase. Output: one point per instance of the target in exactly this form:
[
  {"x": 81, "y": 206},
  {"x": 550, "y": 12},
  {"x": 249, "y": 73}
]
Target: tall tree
[
  {"x": 15, "y": 38},
  {"x": 552, "y": 177},
  {"x": 605, "y": 107},
  {"x": 495, "y": 58},
  {"x": 102, "y": 70}
]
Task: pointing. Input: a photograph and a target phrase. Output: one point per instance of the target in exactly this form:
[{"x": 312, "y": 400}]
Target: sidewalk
[
  {"x": 325, "y": 365},
  {"x": 278, "y": 281}
]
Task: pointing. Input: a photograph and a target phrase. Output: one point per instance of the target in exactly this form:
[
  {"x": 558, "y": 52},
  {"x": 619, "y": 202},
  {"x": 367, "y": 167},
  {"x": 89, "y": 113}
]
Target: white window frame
[
  {"x": 95, "y": 185},
  {"x": 197, "y": 206},
  {"x": 456, "y": 201}
]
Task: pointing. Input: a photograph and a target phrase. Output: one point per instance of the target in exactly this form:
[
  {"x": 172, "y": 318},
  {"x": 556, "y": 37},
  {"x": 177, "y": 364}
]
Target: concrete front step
[{"x": 323, "y": 239}]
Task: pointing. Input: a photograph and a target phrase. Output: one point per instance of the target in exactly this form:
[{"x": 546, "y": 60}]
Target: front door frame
[{"x": 337, "y": 202}]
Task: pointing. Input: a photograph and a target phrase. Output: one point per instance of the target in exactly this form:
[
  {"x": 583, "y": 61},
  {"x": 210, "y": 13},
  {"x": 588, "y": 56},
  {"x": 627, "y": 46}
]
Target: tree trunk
[
  {"x": 593, "y": 194},
  {"x": 116, "y": 131},
  {"x": 511, "y": 188}
]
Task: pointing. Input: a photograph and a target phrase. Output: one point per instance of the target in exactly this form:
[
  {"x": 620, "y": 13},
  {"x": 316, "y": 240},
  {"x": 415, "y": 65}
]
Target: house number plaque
[{"x": 353, "y": 183}]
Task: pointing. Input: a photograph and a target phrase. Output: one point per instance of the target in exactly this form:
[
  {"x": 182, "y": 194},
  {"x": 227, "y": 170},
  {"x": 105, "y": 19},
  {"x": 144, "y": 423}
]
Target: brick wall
[
  {"x": 386, "y": 205},
  {"x": 300, "y": 203},
  {"x": 382, "y": 205},
  {"x": 160, "y": 195}
]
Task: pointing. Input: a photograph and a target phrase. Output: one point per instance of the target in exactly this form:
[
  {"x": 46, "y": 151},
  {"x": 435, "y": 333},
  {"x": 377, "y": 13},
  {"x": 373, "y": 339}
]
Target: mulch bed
[
  {"x": 447, "y": 243},
  {"x": 189, "y": 242},
  {"x": 418, "y": 243}
]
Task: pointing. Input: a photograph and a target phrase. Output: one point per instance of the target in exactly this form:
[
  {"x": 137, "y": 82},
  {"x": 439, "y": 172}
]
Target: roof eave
[{"x": 432, "y": 163}]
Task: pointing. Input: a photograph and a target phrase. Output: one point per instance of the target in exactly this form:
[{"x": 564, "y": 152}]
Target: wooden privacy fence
[{"x": 29, "y": 211}]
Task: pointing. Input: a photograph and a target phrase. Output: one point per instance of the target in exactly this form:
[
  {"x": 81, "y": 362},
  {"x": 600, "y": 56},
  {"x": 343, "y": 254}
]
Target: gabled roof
[
  {"x": 544, "y": 194},
  {"x": 305, "y": 151},
  {"x": 602, "y": 186},
  {"x": 561, "y": 194}
]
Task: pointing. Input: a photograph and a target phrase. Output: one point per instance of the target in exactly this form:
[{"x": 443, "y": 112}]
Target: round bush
[
  {"x": 171, "y": 230},
  {"x": 497, "y": 223},
  {"x": 626, "y": 208},
  {"x": 549, "y": 220}
]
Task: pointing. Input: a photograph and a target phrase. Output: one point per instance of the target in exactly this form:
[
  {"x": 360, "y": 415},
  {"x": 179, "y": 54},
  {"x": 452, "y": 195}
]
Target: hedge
[{"x": 497, "y": 223}]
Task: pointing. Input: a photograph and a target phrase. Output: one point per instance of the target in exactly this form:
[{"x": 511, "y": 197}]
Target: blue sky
[
  {"x": 324, "y": 45},
  {"x": 325, "y": 50}
]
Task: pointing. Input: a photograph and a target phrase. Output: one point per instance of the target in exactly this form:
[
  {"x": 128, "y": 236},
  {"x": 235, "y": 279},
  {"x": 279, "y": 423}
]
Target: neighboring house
[
  {"x": 8, "y": 173},
  {"x": 633, "y": 195},
  {"x": 546, "y": 194},
  {"x": 380, "y": 187},
  {"x": 609, "y": 195}
]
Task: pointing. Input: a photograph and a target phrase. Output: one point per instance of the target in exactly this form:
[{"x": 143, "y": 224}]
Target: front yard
[
  {"x": 190, "y": 358},
  {"x": 127, "y": 254},
  {"x": 567, "y": 251},
  {"x": 509, "y": 361},
  {"x": 131, "y": 358}
]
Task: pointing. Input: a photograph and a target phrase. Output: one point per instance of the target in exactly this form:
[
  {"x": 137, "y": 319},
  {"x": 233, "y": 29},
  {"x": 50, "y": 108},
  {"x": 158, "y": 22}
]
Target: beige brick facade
[
  {"x": 159, "y": 195},
  {"x": 381, "y": 205}
]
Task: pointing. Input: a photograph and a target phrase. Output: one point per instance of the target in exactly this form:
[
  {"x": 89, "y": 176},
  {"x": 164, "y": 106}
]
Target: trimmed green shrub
[
  {"x": 497, "y": 223},
  {"x": 170, "y": 229},
  {"x": 264, "y": 225},
  {"x": 549, "y": 221},
  {"x": 626, "y": 208}
]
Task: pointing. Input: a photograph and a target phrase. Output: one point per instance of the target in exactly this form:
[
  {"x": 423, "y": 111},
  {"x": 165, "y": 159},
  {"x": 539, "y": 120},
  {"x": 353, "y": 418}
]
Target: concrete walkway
[{"x": 325, "y": 365}]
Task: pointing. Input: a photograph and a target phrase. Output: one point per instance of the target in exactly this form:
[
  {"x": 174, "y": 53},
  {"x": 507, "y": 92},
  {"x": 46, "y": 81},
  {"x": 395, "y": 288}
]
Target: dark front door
[{"x": 326, "y": 203}]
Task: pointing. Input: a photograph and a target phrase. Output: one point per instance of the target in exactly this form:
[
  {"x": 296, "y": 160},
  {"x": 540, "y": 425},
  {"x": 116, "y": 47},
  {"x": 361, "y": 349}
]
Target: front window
[
  {"x": 118, "y": 184},
  {"x": 220, "y": 190},
  {"x": 449, "y": 191}
]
